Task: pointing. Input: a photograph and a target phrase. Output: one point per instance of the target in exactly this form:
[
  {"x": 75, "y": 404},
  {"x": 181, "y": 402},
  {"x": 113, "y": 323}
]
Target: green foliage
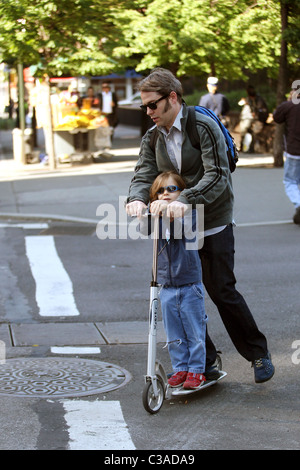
[
  {"x": 194, "y": 37},
  {"x": 56, "y": 36},
  {"x": 7, "y": 124},
  {"x": 291, "y": 35},
  {"x": 256, "y": 32},
  {"x": 230, "y": 39}
]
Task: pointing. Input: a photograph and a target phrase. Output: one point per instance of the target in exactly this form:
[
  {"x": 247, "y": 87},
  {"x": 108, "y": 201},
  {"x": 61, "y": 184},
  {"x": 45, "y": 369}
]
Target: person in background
[
  {"x": 214, "y": 100},
  {"x": 253, "y": 116},
  {"x": 288, "y": 113},
  {"x": 246, "y": 119},
  {"x": 90, "y": 97},
  {"x": 108, "y": 104},
  {"x": 257, "y": 104}
]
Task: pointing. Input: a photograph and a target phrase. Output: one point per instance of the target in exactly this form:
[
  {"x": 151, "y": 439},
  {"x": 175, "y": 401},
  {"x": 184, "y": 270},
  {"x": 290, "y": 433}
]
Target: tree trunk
[
  {"x": 281, "y": 87},
  {"x": 48, "y": 128},
  {"x": 213, "y": 69},
  {"x": 21, "y": 111}
]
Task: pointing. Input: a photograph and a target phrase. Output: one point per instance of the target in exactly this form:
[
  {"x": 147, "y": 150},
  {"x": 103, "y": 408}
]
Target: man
[
  {"x": 214, "y": 100},
  {"x": 257, "y": 104},
  {"x": 253, "y": 116},
  {"x": 288, "y": 112},
  {"x": 208, "y": 181},
  {"x": 108, "y": 104},
  {"x": 90, "y": 98}
]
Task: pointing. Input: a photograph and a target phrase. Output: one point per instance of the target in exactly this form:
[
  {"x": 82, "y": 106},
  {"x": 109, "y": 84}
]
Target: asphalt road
[{"x": 110, "y": 281}]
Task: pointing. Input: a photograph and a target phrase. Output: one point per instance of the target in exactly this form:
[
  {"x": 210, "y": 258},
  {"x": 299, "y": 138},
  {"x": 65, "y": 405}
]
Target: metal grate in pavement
[{"x": 59, "y": 377}]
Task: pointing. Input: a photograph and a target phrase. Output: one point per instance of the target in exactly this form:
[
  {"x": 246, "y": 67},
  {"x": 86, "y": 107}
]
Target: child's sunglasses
[
  {"x": 170, "y": 189},
  {"x": 152, "y": 105}
]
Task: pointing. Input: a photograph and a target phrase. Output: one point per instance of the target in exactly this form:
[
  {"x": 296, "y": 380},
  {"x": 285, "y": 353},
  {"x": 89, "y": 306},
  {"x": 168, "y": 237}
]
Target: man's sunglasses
[
  {"x": 152, "y": 105},
  {"x": 170, "y": 189}
]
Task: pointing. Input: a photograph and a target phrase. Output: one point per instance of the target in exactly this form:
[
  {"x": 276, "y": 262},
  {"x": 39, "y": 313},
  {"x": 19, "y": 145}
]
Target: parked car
[{"x": 133, "y": 100}]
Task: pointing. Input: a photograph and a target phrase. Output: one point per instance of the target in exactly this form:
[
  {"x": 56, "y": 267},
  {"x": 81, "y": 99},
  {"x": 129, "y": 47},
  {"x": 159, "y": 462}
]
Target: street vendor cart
[{"x": 80, "y": 134}]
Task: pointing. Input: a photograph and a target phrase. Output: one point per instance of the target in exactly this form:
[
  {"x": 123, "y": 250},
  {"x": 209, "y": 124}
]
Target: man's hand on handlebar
[{"x": 136, "y": 208}]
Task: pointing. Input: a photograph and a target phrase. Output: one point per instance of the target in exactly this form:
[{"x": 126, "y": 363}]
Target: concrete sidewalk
[{"x": 35, "y": 335}]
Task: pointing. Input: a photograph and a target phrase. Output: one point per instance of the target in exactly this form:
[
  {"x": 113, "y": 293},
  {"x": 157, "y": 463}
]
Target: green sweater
[{"x": 206, "y": 173}]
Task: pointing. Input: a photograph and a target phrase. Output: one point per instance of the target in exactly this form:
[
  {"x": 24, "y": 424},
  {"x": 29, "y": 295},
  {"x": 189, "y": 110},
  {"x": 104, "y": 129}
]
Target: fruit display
[
  {"x": 85, "y": 118},
  {"x": 68, "y": 119}
]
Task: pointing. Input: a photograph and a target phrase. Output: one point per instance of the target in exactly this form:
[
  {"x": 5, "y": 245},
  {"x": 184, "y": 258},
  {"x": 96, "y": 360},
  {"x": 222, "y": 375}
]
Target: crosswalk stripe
[
  {"x": 54, "y": 288},
  {"x": 74, "y": 350},
  {"x": 96, "y": 425}
]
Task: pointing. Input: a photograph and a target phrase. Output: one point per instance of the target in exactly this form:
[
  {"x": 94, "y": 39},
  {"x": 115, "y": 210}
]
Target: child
[{"x": 181, "y": 296}]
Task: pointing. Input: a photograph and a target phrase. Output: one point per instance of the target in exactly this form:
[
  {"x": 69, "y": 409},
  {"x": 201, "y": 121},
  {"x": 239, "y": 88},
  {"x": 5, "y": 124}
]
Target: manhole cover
[{"x": 59, "y": 377}]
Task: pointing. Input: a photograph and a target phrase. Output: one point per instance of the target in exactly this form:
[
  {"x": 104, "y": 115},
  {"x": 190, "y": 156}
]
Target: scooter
[
  {"x": 156, "y": 388},
  {"x": 156, "y": 381}
]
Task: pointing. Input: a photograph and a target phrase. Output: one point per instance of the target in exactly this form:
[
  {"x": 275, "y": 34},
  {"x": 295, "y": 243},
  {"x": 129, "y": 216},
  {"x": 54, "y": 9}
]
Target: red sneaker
[
  {"x": 177, "y": 379},
  {"x": 194, "y": 381}
]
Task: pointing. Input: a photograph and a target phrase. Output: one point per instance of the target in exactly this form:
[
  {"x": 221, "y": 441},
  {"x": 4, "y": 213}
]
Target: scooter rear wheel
[{"x": 151, "y": 403}]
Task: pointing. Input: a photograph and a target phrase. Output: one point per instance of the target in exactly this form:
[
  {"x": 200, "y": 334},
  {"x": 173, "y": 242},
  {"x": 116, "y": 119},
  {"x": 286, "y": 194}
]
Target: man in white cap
[{"x": 214, "y": 100}]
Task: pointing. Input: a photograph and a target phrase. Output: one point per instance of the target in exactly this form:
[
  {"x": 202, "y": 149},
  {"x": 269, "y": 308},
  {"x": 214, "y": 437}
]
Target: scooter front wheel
[{"x": 153, "y": 403}]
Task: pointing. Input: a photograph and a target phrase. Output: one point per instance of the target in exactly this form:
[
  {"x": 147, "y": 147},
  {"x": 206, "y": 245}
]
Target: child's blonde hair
[{"x": 159, "y": 182}]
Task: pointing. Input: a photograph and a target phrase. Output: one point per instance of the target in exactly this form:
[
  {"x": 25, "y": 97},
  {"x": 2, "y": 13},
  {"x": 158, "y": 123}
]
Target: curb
[{"x": 50, "y": 217}]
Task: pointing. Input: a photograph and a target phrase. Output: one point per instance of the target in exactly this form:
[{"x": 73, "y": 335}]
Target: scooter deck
[{"x": 181, "y": 391}]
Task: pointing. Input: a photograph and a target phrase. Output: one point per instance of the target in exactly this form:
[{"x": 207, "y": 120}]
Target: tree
[
  {"x": 281, "y": 86},
  {"x": 277, "y": 39},
  {"x": 289, "y": 11},
  {"x": 49, "y": 33},
  {"x": 191, "y": 37},
  {"x": 196, "y": 37},
  {"x": 56, "y": 36},
  {"x": 230, "y": 39},
  {"x": 183, "y": 35}
]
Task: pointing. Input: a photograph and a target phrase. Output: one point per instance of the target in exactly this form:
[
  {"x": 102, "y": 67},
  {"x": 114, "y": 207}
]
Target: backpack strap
[{"x": 191, "y": 128}]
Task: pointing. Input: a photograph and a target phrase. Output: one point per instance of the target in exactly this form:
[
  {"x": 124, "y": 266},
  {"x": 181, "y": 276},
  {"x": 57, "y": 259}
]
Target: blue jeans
[
  {"x": 291, "y": 180},
  {"x": 184, "y": 321}
]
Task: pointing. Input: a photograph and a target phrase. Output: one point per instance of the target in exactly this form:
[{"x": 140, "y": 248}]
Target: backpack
[{"x": 232, "y": 152}]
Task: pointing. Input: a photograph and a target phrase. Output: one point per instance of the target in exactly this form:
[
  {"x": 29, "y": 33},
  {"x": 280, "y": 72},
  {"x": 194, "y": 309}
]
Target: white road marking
[
  {"x": 96, "y": 425},
  {"x": 74, "y": 350},
  {"x": 54, "y": 288},
  {"x": 26, "y": 226}
]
